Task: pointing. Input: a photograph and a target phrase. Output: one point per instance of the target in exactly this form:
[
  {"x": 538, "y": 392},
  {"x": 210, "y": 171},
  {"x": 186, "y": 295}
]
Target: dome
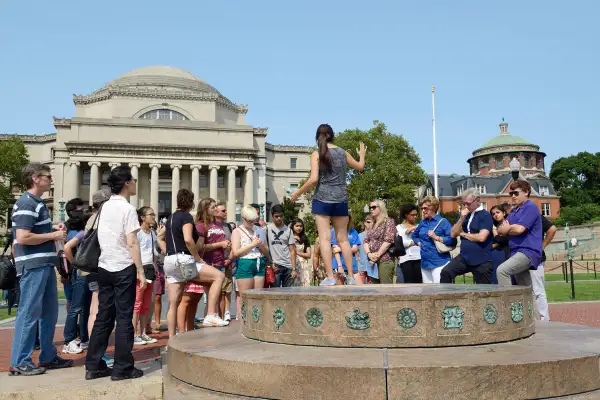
[
  {"x": 162, "y": 76},
  {"x": 506, "y": 140}
]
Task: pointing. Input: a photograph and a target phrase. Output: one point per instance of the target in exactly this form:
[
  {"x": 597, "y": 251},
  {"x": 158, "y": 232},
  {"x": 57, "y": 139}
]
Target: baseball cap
[
  {"x": 101, "y": 196},
  {"x": 254, "y": 205}
]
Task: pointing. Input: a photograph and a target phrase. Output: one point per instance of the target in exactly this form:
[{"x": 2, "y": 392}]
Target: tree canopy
[
  {"x": 13, "y": 157},
  {"x": 577, "y": 180},
  {"x": 392, "y": 169}
]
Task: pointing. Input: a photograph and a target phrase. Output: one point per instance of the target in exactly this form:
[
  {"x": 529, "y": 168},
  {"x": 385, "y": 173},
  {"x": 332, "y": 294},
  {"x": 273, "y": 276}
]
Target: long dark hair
[
  {"x": 500, "y": 208},
  {"x": 324, "y": 135},
  {"x": 142, "y": 213},
  {"x": 302, "y": 234}
]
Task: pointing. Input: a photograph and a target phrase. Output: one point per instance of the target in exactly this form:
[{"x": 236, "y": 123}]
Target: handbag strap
[
  {"x": 173, "y": 238},
  {"x": 438, "y": 224}
]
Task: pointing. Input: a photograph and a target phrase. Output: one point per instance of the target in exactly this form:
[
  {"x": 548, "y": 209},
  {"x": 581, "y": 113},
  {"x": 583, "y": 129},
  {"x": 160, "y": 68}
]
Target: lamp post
[
  {"x": 515, "y": 167},
  {"x": 570, "y": 258},
  {"x": 366, "y": 209},
  {"x": 61, "y": 210}
]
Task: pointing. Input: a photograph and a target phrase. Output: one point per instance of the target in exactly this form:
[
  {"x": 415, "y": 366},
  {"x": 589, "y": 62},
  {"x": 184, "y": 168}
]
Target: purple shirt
[{"x": 530, "y": 242}]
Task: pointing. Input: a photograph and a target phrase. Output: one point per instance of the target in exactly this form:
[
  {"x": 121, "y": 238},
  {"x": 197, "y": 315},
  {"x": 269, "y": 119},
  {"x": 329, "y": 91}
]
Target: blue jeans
[
  {"x": 399, "y": 274},
  {"x": 38, "y": 303},
  {"x": 80, "y": 307},
  {"x": 283, "y": 276}
]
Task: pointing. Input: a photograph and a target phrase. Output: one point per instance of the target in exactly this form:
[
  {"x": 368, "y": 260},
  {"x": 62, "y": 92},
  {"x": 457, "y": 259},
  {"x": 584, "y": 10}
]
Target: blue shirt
[
  {"x": 30, "y": 213},
  {"x": 430, "y": 257},
  {"x": 354, "y": 241},
  {"x": 475, "y": 253},
  {"x": 530, "y": 242}
]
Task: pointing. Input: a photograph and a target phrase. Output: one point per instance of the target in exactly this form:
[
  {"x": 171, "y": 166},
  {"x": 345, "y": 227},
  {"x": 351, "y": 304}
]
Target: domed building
[
  {"x": 492, "y": 168},
  {"x": 175, "y": 131},
  {"x": 494, "y": 157}
]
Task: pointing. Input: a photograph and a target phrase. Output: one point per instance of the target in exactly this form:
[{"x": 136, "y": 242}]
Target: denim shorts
[{"x": 330, "y": 209}]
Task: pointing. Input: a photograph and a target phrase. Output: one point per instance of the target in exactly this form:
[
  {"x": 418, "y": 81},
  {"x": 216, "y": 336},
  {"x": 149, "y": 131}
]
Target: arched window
[{"x": 164, "y": 114}]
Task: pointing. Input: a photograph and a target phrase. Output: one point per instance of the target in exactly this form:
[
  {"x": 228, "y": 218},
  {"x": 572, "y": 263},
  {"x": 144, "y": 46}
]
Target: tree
[
  {"x": 578, "y": 215},
  {"x": 392, "y": 171},
  {"x": 577, "y": 179},
  {"x": 13, "y": 157},
  {"x": 290, "y": 210}
]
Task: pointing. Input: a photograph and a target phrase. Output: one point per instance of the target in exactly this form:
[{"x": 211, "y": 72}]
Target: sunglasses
[
  {"x": 373, "y": 208},
  {"x": 515, "y": 193},
  {"x": 468, "y": 203}
]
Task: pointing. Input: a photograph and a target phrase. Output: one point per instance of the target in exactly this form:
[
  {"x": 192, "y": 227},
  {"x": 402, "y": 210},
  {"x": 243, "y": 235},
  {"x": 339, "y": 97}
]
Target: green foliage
[
  {"x": 310, "y": 227},
  {"x": 13, "y": 157},
  {"x": 578, "y": 215},
  {"x": 290, "y": 210},
  {"x": 577, "y": 179},
  {"x": 451, "y": 216}
]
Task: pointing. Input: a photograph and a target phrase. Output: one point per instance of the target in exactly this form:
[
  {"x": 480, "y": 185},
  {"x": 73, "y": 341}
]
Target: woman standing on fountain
[{"x": 330, "y": 201}]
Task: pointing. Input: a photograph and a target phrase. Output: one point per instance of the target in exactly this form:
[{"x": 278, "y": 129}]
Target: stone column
[
  {"x": 249, "y": 186},
  {"x": 135, "y": 173},
  {"x": 196, "y": 183},
  {"x": 114, "y": 165},
  {"x": 213, "y": 181},
  {"x": 174, "y": 185},
  {"x": 154, "y": 187},
  {"x": 231, "y": 192},
  {"x": 94, "y": 179},
  {"x": 261, "y": 196},
  {"x": 74, "y": 177}
]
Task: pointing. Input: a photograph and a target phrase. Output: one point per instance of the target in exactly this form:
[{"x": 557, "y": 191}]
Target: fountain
[{"x": 389, "y": 342}]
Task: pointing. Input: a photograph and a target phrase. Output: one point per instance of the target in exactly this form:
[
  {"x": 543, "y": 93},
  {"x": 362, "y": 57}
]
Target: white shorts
[{"x": 172, "y": 271}]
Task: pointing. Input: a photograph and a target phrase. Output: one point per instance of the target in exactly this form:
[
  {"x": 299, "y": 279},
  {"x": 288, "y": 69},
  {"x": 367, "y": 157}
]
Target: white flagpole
[{"x": 435, "y": 173}]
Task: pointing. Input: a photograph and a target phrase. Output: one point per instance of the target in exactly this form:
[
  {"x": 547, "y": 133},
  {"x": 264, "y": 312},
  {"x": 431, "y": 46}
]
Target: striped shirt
[{"x": 30, "y": 213}]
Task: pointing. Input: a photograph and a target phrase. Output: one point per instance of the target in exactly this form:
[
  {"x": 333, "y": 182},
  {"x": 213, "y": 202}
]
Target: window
[
  {"x": 546, "y": 209},
  {"x": 165, "y": 174},
  {"x": 459, "y": 190},
  {"x": 527, "y": 158},
  {"x": 484, "y": 205},
  {"x": 164, "y": 114},
  {"x": 105, "y": 175},
  {"x": 500, "y": 162},
  {"x": 293, "y": 187},
  {"x": 293, "y": 162},
  {"x": 481, "y": 188},
  {"x": 85, "y": 177},
  {"x": 238, "y": 179},
  {"x": 429, "y": 191},
  {"x": 544, "y": 191},
  {"x": 203, "y": 179},
  {"x": 221, "y": 180}
]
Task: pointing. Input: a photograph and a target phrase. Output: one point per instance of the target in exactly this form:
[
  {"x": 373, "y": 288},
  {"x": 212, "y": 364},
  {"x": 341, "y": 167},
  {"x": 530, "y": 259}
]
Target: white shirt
[
  {"x": 118, "y": 218},
  {"x": 412, "y": 252},
  {"x": 147, "y": 246}
]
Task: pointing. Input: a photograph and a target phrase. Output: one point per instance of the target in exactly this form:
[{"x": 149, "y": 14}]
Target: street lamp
[
  {"x": 515, "y": 167},
  {"x": 366, "y": 209},
  {"x": 61, "y": 209}
]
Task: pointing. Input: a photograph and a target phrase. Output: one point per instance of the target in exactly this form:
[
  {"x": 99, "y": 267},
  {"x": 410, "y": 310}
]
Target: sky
[{"x": 346, "y": 63}]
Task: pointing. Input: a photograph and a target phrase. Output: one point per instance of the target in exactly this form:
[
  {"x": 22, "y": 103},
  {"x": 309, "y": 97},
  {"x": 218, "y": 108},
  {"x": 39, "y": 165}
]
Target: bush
[{"x": 578, "y": 215}]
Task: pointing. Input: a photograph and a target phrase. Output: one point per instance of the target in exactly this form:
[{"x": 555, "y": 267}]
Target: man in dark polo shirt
[
  {"x": 475, "y": 230},
  {"x": 35, "y": 259},
  {"x": 523, "y": 226}
]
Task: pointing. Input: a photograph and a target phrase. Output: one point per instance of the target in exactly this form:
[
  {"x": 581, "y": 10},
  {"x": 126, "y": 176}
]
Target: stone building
[
  {"x": 491, "y": 174},
  {"x": 175, "y": 131}
]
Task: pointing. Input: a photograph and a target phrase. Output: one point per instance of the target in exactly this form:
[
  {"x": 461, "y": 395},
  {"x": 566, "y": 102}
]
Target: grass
[
  {"x": 584, "y": 291},
  {"x": 4, "y": 313},
  {"x": 578, "y": 277}
]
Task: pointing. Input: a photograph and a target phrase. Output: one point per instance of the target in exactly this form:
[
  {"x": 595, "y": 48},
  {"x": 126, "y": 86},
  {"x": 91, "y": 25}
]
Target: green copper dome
[{"x": 506, "y": 140}]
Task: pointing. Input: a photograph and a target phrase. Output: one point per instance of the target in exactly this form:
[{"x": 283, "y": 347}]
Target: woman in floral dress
[{"x": 303, "y": 253}]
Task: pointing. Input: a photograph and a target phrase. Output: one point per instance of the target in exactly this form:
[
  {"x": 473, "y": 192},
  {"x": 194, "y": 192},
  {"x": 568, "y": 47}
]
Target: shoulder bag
[
  {"x": 88, "y": 251},
  {"x": 397, "y": 249},
  {"x": 150, "y": 271},
  {"x": 188, "y": 269},
  {"x": 441, "y": 247},
  {"x": 8, "y": 271},
  {"x": 269, "y": 271}
]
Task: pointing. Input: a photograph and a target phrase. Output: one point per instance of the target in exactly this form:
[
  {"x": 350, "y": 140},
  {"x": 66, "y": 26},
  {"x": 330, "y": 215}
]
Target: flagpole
[{"x": 435, "y": 173}]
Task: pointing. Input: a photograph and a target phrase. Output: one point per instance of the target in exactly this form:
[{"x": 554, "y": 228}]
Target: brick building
[{"x": 491, "y": 173}]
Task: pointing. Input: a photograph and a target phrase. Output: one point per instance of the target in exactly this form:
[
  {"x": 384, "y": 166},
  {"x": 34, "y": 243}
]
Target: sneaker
[
  {"x": 133, "y": 374},
  {"x": 84, "y": 345},
  {"x": 148, "y": 339},
  {"x": 72, "y": 348},
  {"x": 227, "y": 316},
  {"x": 57, "y": 363},
  {"x": 28, "y": 370},
  {"x": 109, "y": 361},
  {"x": 328, "y": 282},
  {"x": 89, "y": 375},
  {"x": 214, "y": 320},
  {"x": 138, "y": 341},
  {"x": 351, "y": 281}
]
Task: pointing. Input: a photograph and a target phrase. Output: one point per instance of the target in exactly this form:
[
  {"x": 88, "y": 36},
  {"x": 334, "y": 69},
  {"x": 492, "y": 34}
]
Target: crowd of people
[{"x": 196, "y": 254}]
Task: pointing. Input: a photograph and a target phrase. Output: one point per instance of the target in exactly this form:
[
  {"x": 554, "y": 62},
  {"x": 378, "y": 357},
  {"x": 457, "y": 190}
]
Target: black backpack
[{"x": 8, "y": 271}]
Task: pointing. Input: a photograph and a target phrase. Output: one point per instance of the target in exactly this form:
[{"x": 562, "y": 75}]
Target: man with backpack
[
  {"x": 35, "y": 259},
  {"x": 76, "y": 333}
]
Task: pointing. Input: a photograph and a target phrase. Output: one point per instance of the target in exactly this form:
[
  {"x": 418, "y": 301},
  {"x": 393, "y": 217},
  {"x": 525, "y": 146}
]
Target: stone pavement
[{"x": 581, "y": 313}]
